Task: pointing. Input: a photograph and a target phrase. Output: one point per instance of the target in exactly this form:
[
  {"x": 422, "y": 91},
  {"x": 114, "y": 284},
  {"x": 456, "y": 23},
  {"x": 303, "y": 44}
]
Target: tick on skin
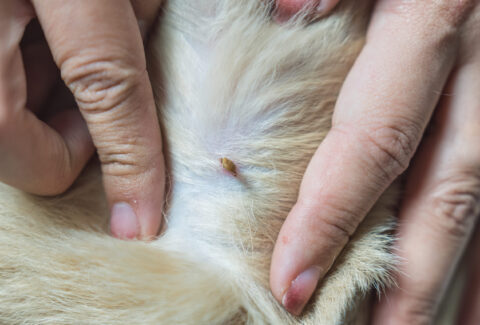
[{"x": 229, "y": 166}]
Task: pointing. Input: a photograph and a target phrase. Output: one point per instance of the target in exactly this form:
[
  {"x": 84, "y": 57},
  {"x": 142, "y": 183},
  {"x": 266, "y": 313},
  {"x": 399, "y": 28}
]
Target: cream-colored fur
[{"x": 231, "y": 83}]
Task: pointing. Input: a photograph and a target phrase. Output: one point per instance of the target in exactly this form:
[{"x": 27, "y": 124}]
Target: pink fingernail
[
  {"x": 124, "y": 223},
  {"x": 321, "y": 7},
  {"x": 325, "y": 7},
  {"x": 301, "y": 289}
]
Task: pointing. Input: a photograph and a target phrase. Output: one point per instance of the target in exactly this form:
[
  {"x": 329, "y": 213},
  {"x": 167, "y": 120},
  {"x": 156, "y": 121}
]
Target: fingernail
[
  {"x": 300, "y": 291},
  {"x": 123, "y": 222},
  {"x": 325, "y": 7},
  {"x": 321, "y": 7}
]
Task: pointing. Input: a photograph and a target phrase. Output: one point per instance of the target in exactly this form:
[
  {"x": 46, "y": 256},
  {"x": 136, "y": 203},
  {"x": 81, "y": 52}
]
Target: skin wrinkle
[
  {"x": 338, "y": 217},
  {"x": 456, "y": 199},
  {"x": 101, "y": 85}
]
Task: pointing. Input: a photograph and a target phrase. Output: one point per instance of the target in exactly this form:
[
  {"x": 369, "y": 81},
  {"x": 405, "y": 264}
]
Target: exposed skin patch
[{"x": 229, "y": 166}]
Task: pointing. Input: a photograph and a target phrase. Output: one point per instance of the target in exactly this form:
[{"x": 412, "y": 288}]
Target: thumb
[{"x": 98, "y": 48}]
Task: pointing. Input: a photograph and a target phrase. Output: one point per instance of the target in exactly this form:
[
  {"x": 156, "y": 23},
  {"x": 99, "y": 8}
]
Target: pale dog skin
[{"x": 229, "y": 83}]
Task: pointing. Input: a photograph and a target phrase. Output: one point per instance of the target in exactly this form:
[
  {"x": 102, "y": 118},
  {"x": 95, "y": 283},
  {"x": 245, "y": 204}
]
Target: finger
[
  {"x": 42, "y": 73},
  {"x": 470, "y": 304},
  {"x": 288, "y": 8},
  {"x": 105, "y": 69},
  {"x": 380, "y": 116},
  {"x": 441, "y": 205},
  {"x": 35, "y": 157},
  {"x": 39, "y": 159}
]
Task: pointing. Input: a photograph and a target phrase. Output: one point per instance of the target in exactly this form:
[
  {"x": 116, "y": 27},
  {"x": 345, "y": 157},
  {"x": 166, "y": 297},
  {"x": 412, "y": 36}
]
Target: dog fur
[{"x": 229, "y": 82}]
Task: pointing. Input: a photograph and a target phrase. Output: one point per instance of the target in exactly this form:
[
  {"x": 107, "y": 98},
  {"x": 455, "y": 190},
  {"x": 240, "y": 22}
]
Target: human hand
[
  {"x": 415, "y": 52},
  {"x": 98, "y": 48}
]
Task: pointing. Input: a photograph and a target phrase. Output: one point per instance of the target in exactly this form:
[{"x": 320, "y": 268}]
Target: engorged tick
[{"x": 229, "y": 166}]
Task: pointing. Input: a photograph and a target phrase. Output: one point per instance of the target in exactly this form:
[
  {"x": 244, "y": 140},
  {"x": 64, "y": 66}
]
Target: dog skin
[{"x": 243, "y": 104}]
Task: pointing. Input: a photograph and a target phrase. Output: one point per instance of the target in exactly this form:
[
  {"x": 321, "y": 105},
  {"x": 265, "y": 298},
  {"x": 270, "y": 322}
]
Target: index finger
[
  {"x": 98, "y": 48},
  {"x": 380, "y": 116}
]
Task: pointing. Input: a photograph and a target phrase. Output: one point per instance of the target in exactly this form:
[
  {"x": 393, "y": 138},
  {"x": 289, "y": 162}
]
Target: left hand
[{"x": 96, "y": 48}]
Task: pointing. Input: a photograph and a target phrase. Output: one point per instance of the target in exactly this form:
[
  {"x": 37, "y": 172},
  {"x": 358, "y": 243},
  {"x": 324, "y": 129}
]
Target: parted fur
[{"x": 230, "y": 83}]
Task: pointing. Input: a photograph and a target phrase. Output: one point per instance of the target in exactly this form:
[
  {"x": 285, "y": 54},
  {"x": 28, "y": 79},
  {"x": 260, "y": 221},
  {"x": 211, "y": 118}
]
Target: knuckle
[
  {"x": 119, "y": 164},
  {"x": 123, "y": 159},
  {"x": 456, "y": 202},
  {"x": 390, "y": 148},
  {"x": 418, "y": 309},
  {"x": 418, "y": 317},
  {"x": 100, "y": 84},
  {"x": 339, "y": 228},
  {"x": 337, "y": 222}
]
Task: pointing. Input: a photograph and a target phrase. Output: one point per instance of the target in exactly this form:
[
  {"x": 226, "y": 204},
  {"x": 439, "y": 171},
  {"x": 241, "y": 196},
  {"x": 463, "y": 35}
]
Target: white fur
[{"x": 229, "y": 83}]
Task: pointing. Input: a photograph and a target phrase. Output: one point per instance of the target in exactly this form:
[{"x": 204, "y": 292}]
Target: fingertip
[
  {"x": 135, "y": 221},
  {"x": 137, "y": 202},
  {"x": 288, "y": 8},
  {"x": 325, "y": 6},
  {"x": 292, "y": 6},
  {"x": 311, "y": 238},
  {"x": 124, "y": 223},
  {"x": 301, "y": 290},
  {"x": 129, "y": 221},
  {"x": 294, "y": 273},
  {"x": 151, "y": 218},
  {"x": 295, "y": 294}
]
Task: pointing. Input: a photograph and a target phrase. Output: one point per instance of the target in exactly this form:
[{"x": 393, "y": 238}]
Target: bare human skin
[
  {"x": 415, "y": 52},
  {"x": 421, "y": 58},
  {"x": 97, "y": 46}
]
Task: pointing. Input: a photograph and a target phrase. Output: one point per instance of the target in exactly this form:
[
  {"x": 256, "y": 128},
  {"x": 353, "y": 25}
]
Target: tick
[{"x": 229, "y": 166}]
